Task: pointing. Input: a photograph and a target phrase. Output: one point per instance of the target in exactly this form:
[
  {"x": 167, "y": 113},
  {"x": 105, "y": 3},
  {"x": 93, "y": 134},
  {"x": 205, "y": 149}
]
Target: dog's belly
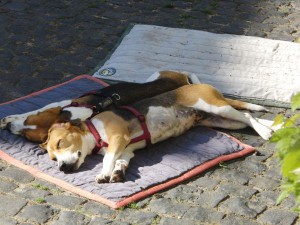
[{"x": 169, "y": 122}]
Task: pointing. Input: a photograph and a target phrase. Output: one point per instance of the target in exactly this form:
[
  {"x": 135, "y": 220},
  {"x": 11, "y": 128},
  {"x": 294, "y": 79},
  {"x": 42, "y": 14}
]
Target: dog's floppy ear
[
  {"x": 77, "y": 123},
  {"x": 64, "y": 116},
  {"x": 44, "y": 145}
]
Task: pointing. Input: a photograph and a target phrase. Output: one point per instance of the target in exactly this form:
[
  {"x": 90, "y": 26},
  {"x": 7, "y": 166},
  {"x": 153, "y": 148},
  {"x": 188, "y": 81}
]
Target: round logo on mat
[{"x": 107, "y": 71}]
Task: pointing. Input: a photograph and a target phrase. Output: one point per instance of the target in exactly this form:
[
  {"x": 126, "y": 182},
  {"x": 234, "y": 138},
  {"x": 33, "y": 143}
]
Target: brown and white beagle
[
  {"x": 34, "y": 125},
  {"x": 167, "y": 115}
]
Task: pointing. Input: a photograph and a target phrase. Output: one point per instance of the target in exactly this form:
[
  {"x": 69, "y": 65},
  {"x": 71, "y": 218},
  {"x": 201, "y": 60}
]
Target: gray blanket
[{"x": 151, "y": 166}]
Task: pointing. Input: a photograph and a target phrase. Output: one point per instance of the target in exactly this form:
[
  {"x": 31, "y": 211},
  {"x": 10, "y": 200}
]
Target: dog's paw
[
  {"x": 265, "y": 132},
  {"x": 101, "y": 178},
  {"x": 117, "y": 176},
  {"x": 4, "y": 121},
  {"x": 9, "y": 119}
]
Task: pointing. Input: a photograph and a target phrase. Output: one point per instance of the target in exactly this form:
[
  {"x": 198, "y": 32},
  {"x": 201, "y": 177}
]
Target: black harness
[{"x": 104, "y": 102}]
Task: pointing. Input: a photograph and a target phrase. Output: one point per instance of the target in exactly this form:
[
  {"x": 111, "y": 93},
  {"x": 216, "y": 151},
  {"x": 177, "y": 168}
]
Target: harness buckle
[{"x": 105, "y": 103}]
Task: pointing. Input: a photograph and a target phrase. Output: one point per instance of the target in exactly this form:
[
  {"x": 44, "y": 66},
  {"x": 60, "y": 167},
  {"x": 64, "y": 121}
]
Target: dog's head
[
  {"x": 35, "y": 127},
  {"x": 67, "y": 145}
]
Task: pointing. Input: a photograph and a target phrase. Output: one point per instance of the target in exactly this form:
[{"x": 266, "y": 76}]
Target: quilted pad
[
  {"x": 152, "y": 169},
  {"x": 250, "y": 68}
]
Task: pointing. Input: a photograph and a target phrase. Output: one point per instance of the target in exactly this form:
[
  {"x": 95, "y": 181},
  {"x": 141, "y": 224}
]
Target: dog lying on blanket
[
  {"x": 34, "y": 125},
  {"x": 121, "y": 131}
]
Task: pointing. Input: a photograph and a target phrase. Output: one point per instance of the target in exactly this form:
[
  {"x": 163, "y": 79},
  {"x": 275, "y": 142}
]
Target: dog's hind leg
[
  {"x": 220, "y": 122},
  {"x": 237, "y": 104},
  {"x": 227, "y": 111}
]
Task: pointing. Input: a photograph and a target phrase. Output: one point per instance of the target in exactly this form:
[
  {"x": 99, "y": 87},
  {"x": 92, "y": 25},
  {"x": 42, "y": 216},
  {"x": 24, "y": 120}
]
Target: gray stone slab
[
  {"x": 11, "y": 205},
  {"x": 236, "y": 190},
  {"x": 71, "y": 218},
  {"x": 183, "y": 193},
  {"x": 98, "y": 209},
  {"x": 17, "y": 175},
  {"x": 237, "y": 176},
  {"x": 136, "y": 217},
  {"x": 264, "y": 183},
  {"x": 236, "y": 220},
  {"x": 252, "y": 167},
  {"x": 206, "y": 183},
  {"x": 268, "y": 197},
  {"x": 204, "y": 215},
  {"x": 238, "y": 206},
  {"x": 7, "y": 186},
  {"x": 8, "y": 221},
  {"x": 258, "y": 206},
  {"x": 177, "y": 221},
  {"x": 210, "y": 199},
  {"x": 99, "y": 220},
  {"x": 65, "y": 201},
  {"x": 31, "y": 193},
  {"x": 168, "y": 207},
  {"x": 278, "y": 216},
  {"x": 37, "y": 213}
]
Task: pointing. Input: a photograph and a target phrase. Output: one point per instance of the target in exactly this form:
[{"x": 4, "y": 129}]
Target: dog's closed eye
[{"x": 59, "y": 144}]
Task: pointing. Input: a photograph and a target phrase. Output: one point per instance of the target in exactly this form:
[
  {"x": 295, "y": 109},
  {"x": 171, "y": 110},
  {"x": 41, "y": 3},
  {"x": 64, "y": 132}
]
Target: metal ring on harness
[{"x": 116, "y": 96}]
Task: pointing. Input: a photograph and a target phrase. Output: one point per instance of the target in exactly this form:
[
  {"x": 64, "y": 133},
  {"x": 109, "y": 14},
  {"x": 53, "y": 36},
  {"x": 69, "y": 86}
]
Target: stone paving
[{"x": 47, "y": 42}]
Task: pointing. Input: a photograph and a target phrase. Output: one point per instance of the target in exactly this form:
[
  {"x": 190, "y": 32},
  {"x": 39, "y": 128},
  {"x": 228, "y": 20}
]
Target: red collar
[{"x": 145, "y": 136}]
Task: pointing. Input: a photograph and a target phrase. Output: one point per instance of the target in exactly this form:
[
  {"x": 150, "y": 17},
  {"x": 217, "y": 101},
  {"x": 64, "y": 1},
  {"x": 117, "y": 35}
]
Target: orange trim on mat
[
  {"x": 58, "y": 85},
  {"x": 140, "y": 195}
]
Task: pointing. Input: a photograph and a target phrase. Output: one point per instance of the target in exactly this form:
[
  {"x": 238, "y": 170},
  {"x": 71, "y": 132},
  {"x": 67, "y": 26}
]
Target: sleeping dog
[
  {"x": 35, "y": 125},
  {"x": 121, "y": 131}
]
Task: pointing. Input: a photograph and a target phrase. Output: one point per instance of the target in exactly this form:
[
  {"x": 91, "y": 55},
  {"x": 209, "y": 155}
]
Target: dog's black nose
[
  {"x": 65, "y": 167},
  {"x": 8, "y": 126}
]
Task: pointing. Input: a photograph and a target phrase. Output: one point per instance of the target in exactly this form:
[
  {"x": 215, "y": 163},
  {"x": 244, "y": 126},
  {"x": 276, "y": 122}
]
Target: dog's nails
[
  {"x": 118, "y": 176},
  {"x": 100, "y": 179}
]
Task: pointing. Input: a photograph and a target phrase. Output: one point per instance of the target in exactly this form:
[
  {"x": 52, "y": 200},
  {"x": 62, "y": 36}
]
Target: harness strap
[
  {"x": 100, "y": 106},
  {"x": 99, "y": 142},
  {"x": 146, "y": 135},
  {"x": 76, "y": 104}
]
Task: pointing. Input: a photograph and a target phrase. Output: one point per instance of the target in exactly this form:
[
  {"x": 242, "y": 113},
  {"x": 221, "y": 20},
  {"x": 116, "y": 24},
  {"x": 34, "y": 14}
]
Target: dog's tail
[
  {"x": 245, "y": 105},
  {"x": 192, "y": 78}
]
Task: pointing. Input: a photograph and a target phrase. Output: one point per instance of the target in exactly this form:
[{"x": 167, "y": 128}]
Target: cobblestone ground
[{"x": 46, "y": 42}]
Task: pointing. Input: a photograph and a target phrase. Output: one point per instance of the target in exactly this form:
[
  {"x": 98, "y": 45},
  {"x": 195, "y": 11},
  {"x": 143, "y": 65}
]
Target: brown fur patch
[
  {"x": 188, "y": 95},
  {"x": 116, "y": 129},
  {"x": 43, "y": 121},
  {"x": 179, "y": 78}
]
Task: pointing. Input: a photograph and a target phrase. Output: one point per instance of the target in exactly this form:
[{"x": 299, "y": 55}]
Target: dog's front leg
[
  {"x": 121, "y": 165},
  {"x": 115, "y": 149},
  {"x": 19, "y": 119}
]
